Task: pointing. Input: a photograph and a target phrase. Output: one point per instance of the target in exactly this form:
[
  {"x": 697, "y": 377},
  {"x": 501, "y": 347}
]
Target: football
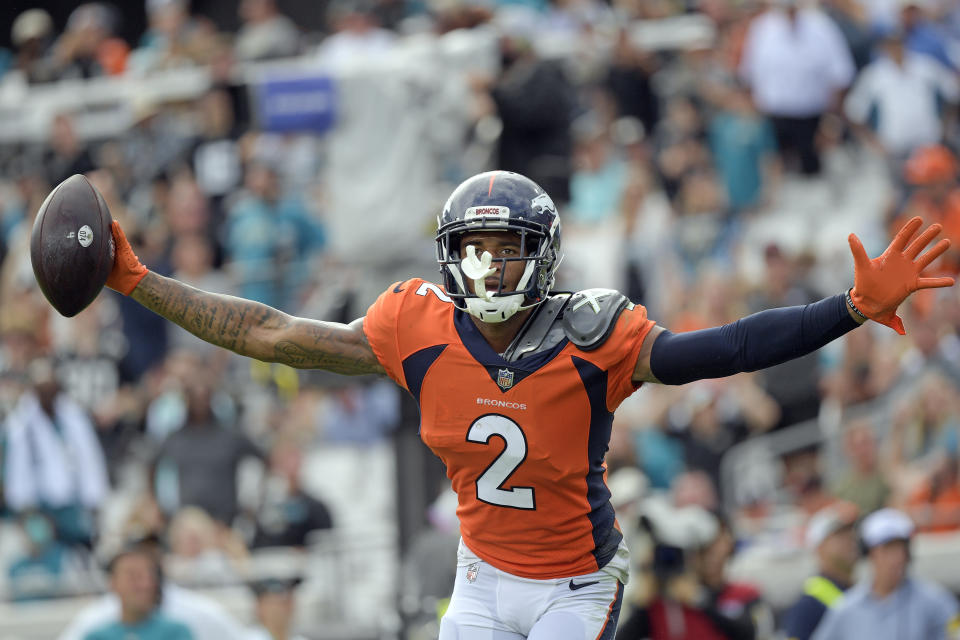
[{"x": 71, "y": 246}]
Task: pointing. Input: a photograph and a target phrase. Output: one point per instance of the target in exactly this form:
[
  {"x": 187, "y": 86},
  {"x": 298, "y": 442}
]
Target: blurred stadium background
[{"x": 297, "y": 153}]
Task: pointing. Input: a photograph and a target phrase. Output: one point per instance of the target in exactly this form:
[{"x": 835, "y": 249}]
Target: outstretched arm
[
  {"x": 758, "y": 341},
  {"x": 777, "y": 335},
  {"x": 243, "y": 326}
]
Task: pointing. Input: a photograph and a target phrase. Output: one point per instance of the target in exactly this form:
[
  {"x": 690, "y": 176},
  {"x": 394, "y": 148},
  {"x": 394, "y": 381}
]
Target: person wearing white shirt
[
  {"x": 357, "y": 36},
  {"x": 796, "y": 61},
  {"x": 897, "y": 102},
  {"x": 53, "y": 460}
]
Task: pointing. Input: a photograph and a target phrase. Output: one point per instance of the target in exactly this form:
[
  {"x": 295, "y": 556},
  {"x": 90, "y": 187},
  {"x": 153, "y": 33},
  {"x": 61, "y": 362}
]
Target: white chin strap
[{"x": 486, "y": 306}]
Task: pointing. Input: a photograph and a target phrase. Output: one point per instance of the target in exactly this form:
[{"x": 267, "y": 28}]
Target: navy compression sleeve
[{"x": 758, "y": 341}]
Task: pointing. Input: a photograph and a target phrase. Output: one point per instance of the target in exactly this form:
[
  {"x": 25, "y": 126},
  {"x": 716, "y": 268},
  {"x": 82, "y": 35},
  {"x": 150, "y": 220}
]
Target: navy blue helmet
[{"x": 500, "y": 201}]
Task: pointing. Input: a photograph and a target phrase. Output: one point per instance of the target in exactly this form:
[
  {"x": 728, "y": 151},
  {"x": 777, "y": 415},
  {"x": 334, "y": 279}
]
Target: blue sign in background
[{"x": 301, "y": 104}]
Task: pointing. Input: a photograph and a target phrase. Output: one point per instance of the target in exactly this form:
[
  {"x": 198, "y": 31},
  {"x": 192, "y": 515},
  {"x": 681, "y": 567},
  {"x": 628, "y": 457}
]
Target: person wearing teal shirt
[
  {"x": 744, "y": 147},
  {"x": 154, "y": 627},
  {"x": 135, "y": 578}
]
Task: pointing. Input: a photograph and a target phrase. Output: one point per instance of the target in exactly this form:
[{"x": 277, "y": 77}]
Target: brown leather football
[{"x": 71, "y": 246}]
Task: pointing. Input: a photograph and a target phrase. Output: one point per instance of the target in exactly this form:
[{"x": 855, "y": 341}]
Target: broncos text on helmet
[{"x": 499, "y": 201}]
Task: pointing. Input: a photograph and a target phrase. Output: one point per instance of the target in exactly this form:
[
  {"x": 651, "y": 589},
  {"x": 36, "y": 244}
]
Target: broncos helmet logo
[{"x": 543, "y": 203}]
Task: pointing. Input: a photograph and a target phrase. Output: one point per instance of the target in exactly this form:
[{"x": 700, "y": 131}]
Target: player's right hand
[
  {"x": 127, "y": 270},
  {"x": 883, "y": 283}
]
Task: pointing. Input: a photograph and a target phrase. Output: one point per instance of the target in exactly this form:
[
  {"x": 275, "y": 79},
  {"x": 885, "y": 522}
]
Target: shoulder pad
[
  {"x": 590, "y": 316},
  {"x": 543, "y": 332}
]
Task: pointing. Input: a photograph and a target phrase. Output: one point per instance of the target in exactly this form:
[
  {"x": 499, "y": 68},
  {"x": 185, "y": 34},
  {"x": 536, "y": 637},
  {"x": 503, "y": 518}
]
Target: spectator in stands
[
  {"x": 535, "y": 101},
  {"x": 695, "y": 600},
  {"x": 269, "y": 240},
  {"x": 925, "y": 423},
  {"x": 155, "y": 144},
  {"x": 87, "y": 47},
  {"x": 204, "y": 617},
  {"x": 355, "y": 34},
  {"x": 87, "y": 350},
  {"x": 628, "y": 81},
  {"x": 718, "y": 415},
  {"x": 933, "y": 350},
  {"x": 930, "y": 173},
  {"x": 54, "y": 463},
  {"x": 900, "y": 100},
  {"x": 863, "y": 482},
  {"x": 854, "y": 23},
  {"x": 702, "y": 230},
  {"x": 265, "y": 32},
  {"x": 744, "y": 149},
  {"x": 288, "y": 514},
  {"x": 187, "y": 210},
  {"x": 427, "y": 582},
  {"x": 922, "y": 35},
  {"x": 831, "y": 535},
  {"x": 891, "y": 604},
  {"x": 166, "y": 410},
  {"x": 20, "y": 210},
  {"x": 796, "y": 62},
  {"x": 201, "y": 552},
  {"x": 32, "y": 36},
  {"x": 48, "y": 568},
  {"x": 935, "y": 506},
  {"x": 861, "y": 372},
  {"x": 793, "y": 385},
  {"x": 679, "y": 142},
  {"x": 659, "y": 454},
  {"x": 174, "y": 38},
  {"x": 200, "y": 459},
  {"x": 274, "y": 609},
  {"x": 135, "y": 578},
  {"x": 67, "y": 154},
  {"x": 594, "y": 249},
  {"x": 215, "y": 154},
  {"x": 810, "y": 493},
  {"x": 362, "y": 413},
  {"x": 694, "y": 488}
]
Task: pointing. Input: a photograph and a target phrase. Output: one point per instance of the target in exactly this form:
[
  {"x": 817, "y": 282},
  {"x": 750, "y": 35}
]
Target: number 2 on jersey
[{"x": 490, "y": 484}]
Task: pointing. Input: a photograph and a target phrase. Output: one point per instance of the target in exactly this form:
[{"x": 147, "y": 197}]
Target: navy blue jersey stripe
[
  {"x": 605, "y": 537},
  {"x": 610, "y": 627},
  {"x": 415, "y": 367}
]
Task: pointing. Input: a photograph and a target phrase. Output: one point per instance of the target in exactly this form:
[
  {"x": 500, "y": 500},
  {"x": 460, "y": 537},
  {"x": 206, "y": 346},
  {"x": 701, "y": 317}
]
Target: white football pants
[{"x": 490, "y": 604}]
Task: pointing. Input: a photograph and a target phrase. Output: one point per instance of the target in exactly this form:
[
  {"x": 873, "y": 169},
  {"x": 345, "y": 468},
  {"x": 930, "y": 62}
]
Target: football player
[{"x": 517, "y": 388}]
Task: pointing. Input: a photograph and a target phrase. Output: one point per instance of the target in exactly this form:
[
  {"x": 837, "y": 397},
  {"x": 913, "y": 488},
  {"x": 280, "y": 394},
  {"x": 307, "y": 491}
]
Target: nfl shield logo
[
  {"x": 472, "y": 572},
  {"x": 505, "y": 378}
]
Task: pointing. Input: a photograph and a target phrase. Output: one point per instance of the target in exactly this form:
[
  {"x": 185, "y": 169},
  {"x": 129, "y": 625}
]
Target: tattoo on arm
[
  {"x": 312, "y": 344},
  {"x": 258, "y": 331}
]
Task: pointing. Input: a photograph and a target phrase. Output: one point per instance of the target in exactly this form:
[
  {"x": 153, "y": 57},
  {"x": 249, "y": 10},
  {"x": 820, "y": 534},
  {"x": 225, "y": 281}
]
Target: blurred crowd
[{"x": 709, "y": 158}]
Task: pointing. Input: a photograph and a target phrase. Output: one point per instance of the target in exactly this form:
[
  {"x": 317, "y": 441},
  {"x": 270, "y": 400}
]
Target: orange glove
[
  {"x": 127, "y": 270},
  {"x": 882, "y": 283}
]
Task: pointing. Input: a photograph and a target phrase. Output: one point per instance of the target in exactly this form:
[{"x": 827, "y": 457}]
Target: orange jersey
[{"x": 523, "y": 442}]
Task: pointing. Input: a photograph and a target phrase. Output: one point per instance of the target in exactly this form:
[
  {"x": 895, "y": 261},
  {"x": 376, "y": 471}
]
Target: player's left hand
[
  {"x": 881, "y": 284},
  {"x": 127, "y": 270}
]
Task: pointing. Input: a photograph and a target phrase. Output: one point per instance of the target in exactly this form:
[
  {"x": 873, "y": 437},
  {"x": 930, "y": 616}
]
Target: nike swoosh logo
[
  {"x": 397, "y": 289},
  {"x": 574, "y": 586}
]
